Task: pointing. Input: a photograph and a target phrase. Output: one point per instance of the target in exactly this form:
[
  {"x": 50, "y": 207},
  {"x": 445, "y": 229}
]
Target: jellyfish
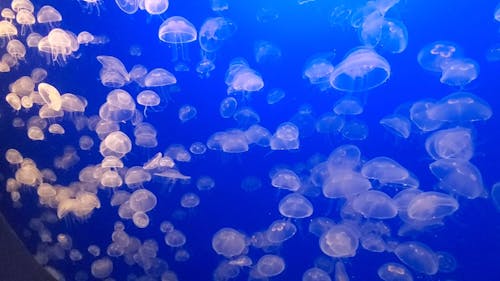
[
  {"x": 227, "y": 107},
  {"x": 90, "y": 5},
  {"x": 418, "y": 256},
  {"x": 102, "y": 268},
  {"x": 286, "y": 179},
  {"x": 229, "y": 242},
  {"x": 394, "y": 272},
  {"x": 219, "y": 5},
  {"x": 375, "y": 204},
  {"x": 187, "y": 112},
  {"x": 7, "y": 30},
  {"x": 434, "y": 56},
  {"x": 136, "y": 176},
  {"x": 280, "y": 231},
  {"x": 214, "y": 32},
  {"x": 348, "y": 105},
  {"x": 459, "y": 72},
  {"x": 142, "y": 200},
  {"x": 340, "y": 241},
  {"x": 190, "y": 200},
  {"x": 384, "y": 169},
  {"x": 295, "y": 206},
  {"x": 159, "y": 77},
  {"x": 266, "y": 52},
  {"x": 451, "y": 143},
  {"x": 8, "y": 14},
  {"x": 258, "y": 135},
  {"x": 26, "y": 19},
  {"x": 316, "y": 274},
  {"x": 140, "y": 219},
  {"x": 85, "y": 38},
  {"x": 128, "y": 6},
  {"x": 460, "y": 107},
  {"x": 178, "y": 31},
  {"x": 156, "y": 7},
  {"x": 458, "y": 177},
  {"x": 431, "y": 205},
  {"x": 397, "y": 124},
  {"x": 116, "y": 143},
  {"x": 355, "y": 129},
  {"x": 148, "y": 98},
  {"x": 270, "y": 265},
  {"x": 362, "y": 69},
  {"x": 59, "y": 44},
  {"x": 318, "y": 70},
  {"x": 286, "y": 137},
  {"x": 48, "y": 15},
  {"x": 205, "y": 183},
  {"x": 16, "y": 49},
  {"x": 420, "y": 117}
]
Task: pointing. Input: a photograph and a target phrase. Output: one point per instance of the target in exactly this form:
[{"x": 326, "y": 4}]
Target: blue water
[{"x": 471, "y": 234}]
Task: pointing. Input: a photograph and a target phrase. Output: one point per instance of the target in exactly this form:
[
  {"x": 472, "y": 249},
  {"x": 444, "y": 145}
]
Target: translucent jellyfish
[
  {"x": 458, "y": 177},
  {"x": 285, "y": 179},
  {"x": 115, "y": 144},
  {"x": 280, "y": 231},
  {"x": 229, "y": 242},
  {"x": 453, "y": 143},
  {"x": 275, "y": 96},
  {"x": 270, "y": 265},
  {"x": 204, "y": 67},
  {"x": 355, "y": 129},
  {"x": 148, "y": 98},
  {"x": 394, "y": 272},
  {"x": 428, "y": 206},
  {"x": 375, "y": 204},
  {"x": 340, "y": 241},
  {"x": 35, "y": 133},
  {"x": 241, "y": 78},
  {"x": 434, "y": 56},
  {"x": 190, "y": 200},
  {"x": 214, "y": 32},
  {"x": 111, "y": 179},
  {"x": 219, "y": 5},
  {"x": 159, "y": 77},
  {"x": 362, "y": 69},
  {"x": 16, "y": 49},
  {"x": 384, "y": 169},
  {"x": 258, "y": 135},
  {"x": 113, "y": 73},
  {"x": 38, "y": 75},
  {"x": 50, "y": 95},
  {"x": 156, "y": 7},
  {"x": 266, "y": 52},
  {"x": 13, "y": 156},
  {"x": 33, "y": 39},
  {"x": 7, "y": 30},
  {"x": 348, "y": 105},
  {"x": 145, "y": 135},
  {"x": 345, "y": 183},
  {"x": 345, "y": 157},
  {"x": 418, "y": 257},
  {"x": 101, "y": 268},
  {"x": 318, "y": 70},
  {"x": 119, "y": 106},
  {"x": 420, "y": 117},
  {"x": 198, "y": 148},
  {"x": 228, "y": 107},
  {"x": 459, "y": 72},
  {"x": 497, "y": 13},
  {"x": 286, "y": 137},
  {"x": 8, "y": 14},
  {"x": 178, "y": 31},
  {"x": 58, "y": 44},
  {"x": 447, "y": 262},
  {"x": 187, "y": 112},
  {"x": 205, "y": 183},
  {"x": 316, "y": 274},
  {"x": 397, "y": 124},
  {"x": 56, "y": 129},
  {"x": 460, "y": 107},
  {"x": 26, "y": 19},
  {"x": 232, "y": 141},
  {"x": 48, "y": 15},
  {"x": 295, "y": 206},
  {"x": 14, "y": 101},
  {"x": 73, "y": 103},
  {"x": 119, "y": 197},
  {"x": 246, "y": 117},
  {"x": 142, "y": 200},
  {"x": 128, "y": 6},
  {"x": 140, "y": 219}
]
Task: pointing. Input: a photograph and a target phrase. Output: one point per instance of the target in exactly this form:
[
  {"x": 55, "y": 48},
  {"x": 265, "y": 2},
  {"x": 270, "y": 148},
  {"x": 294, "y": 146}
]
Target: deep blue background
[{"x": 301, "y": 31}]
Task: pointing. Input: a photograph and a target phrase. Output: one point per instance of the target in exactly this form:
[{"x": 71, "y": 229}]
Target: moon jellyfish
[
  {"x": 418, "y": 257},
  {"x": 295, "y": 206},
  {"x": 285, "y": 179},
  {"x": 266, "y": 52},
  {"x": 459, "y": 72},
  {"x": 431, "y": 205},
  {"x": 113, "y": 73},
  {"x": 227, "y": 107},
  {"x": 187, "y": 112},
  {"x": 190, "y": 200},
  {"x": 275, "y": 96},
  {"x": 384, "y": 169},
  {"x": 48, "y": 15},
  {"x": 270, "y": 265},
  {"x": 286, "y": 137},
  {"x": 420, "y": 117},
  {"x": 318, "y": 70},
  {"x": 159, "y": 77},
  {"x": 156, "y": 7},
  {"x": 50, "y": 96},
  {"x": 128, "y": 6},
  {"x": 348, "y": 105},
  {"x": 453, "y": 143},
  {"x": 119, "y": 106},
  {"x": 16, "y": 49},
  {"x": 458, "y": 177},
  {"x": 148, "y": 98},
  {"x": 340, "y": 241},
  {"x": 115, "y": 144},
  {"x": 495, "y": 195},
  {"x": 101, "y": 268},
  {"x": 178, "y": 31},
  {"x": 214, "y": 32},
  {"x": 229, "y": 242},
  {"x": 142, "y": 200},
  {"x": 397, "y": 124},
  {"x": 280, "y": 231},
  {"x": 375, "y": 204},
  {"x": 219, "y": 5},
  {"x": 460, "y": 107},
  {"x": 13, "y": 156},
  {"x": 344, "y": 183},
  {"x": 26, "y": 19},
  {"x": 85, "y": 38},
  {"x": 241, "y": 78},
  {"x": 434, "y": 56},
  {"x": 316, "y": 274},
  {"x": 447, "y": 262},
  {"x": 394, "y": 272},
  {"x": 354, "y": 130},
  {"x": 362, "y": 69},
  {"x": 58, "y": 44},
  {"x": 258, "y": 135},
  {"x": 140, "y": 219}
]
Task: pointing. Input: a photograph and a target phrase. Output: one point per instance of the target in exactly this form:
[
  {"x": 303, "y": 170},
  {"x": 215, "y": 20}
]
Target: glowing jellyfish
[
  {"x": 270, "y": 265},
  {"x": 140, "y": 219},
  {"x": 56, "y": 129},
  {"x": 159, "y": 77},
  {"x": 113, "y": 73},
  {"x": 241, "y": 78},
  {"x": 214, "y": 32},
  {"x": 119, "y": 106},
  {"x": 175, "y": 238},
  {"x": 397, "y": 124},
  {"x": 190, "y": 200},
  {"x": 384, "y": 169},
  {"x": 420, "y": 117},
  {"x": 458, "y": 177},
  {"x": 187, "y": 112},
  {"x": 142, "y": 200},
  {"x": 148, "y": 98},
  {"x": 340, "y": 241},
  {"x": 128, "y": 6},
  {"x": 7, "y": 30},
  {"x": 198, "y": 148},
  {"x": 434, "y": 56},
  {"x": 266, "y": 52},
  {"x": 280, "y": 231},
  {"x": 13, "y": 156},
  {"x": 295, "y": 206},
  {"x": 115, "y": 144},
  {"x": 258, "y": 135},
  {"x": 345, "y": 183},
  {"x": 178, "y": 31},
  {"x": 85, "y": 38},
  {"x": 33, "y": 39},
  {"x": 48, "y": 15},
  {"x": 101, "y": 268},
  {"x": 450, "y": 143},
  {"x": 59, "y": 44},
  {"x": 219, "y": 5},
  {"x": 348, "y": 105},
  {"x": 362, "y": 69},
  {"x": 156, "y": 7},
  {"x": 418, "y": 256},
  {"x": 38, "y": 75},
  {"x": 428, "y": 206},
  {"x": 318, "y": 70},
  {"x": 285, "y": 179},
  {"x": 286, "y": 137},
  {"x": 229, "y": 242},
  {"x": 227, "y": 107},
  {"x": 8, "y": 14},
  {"x": 111, "y": 179},
  {"x": 459, "y": 72},
  {"x": 394, "y": 272},
  {"x": 316, "y": 274},
  {"x": 16, "y": 49},
  {"x": 14, "y": 101},
  {"x": 460, "y": 107},
  {"x": 26, "y": 19},
  {"x": 246, "y": 117},
  {"x": 375, "y": 204}
]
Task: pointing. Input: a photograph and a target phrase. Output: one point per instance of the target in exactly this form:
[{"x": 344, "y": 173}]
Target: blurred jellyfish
[
  {"x": 397, "y": 124},
  {"x": 362, "y": 69},
  {"x": 227, "y": 107},
  {"x": 178, "y": 31},
  {"x": 214, "y": 32},
  {"x": 241, "y": 78},
  {"x": 187, "y": 112},
  {"x": 295, "y": 206},
  {"x": 102, "y": 268},
  {"x": 434, "y": 56},
  {"x": 459, "y": 72},
  {"x": 375, "y": 204},
  {"x": 127, "y": 6},
  {"x": 270, "y": 265},
  {"x": 266, "y": 52},
  {"x": 420, "y": 117},
  {"x": 286, "y": 137},
  {"x": 394, "y": 272},
  {"x": 450, "y": 143},
  {"x": 275, "y": 96},
  {"x": 159, "y": 77},
  {"x": 431, "y": 205},
  {"x": 219, "y": 5},
  {"x": 418, "y": 256},
  {"x": 156, "y": 7},
  {"x": 340, "y": 241},
  {"x": 458, "y": 177},
  {"x": 318, "y": 70},
  {"x": 348, "y": 105},
  {"x": 460, "y": 107}
]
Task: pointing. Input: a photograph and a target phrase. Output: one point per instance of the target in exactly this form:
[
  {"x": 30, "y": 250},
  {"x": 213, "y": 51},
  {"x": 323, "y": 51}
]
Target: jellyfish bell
[
  {"x": 178, "y": 31},
  {"x": 148, "y": 98},
  {"x": 434, "y": 56},
  {"x": 459, "y": 72},
  {"x": 214, "y": 32},
  {"x": 156, "y": 7},
  {"x": 362, "y": 69},
  {"x": 48, "y": 15},
  {"x": 26, "y": 19}
]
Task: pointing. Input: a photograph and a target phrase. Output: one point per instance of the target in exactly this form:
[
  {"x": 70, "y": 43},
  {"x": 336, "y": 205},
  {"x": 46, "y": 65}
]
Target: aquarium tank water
[{"x": 308, "y": 140}]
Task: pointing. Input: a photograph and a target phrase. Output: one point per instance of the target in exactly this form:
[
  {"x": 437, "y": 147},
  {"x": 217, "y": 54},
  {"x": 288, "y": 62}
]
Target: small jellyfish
[
  {"x": 362, "y": 69},
  {"x": 285, "y": 179},
  {"x": 159, "y": 77},
  {"x": 340, "y": 241},
  {"x": 142, "y": 200},
  {"x": 355, "y": 129},
  {"x": 434, "y": 56},
  {"x": 178, "y": 31},
  {"x": 286, "y": 137},
  {"x": 275, "y": 96},
  {"x": 198, "y": 148},
  {"x": 460, "y": 107},
  {"x": 280, "y": 231},
  {"x": 156, "y": 7},
  {"x": 458, "y": 177},
  {"x": 48, "y": 15},
  {"x": 397, "y": 124},
  {"x": 229, "y": 242},
  {"x": 454, "y": 143},
  {"x": 148, "y": 98},
  {"x": 418, "y": 256},
  {"x": 102, "y": 268},
  {"x": 316, "y": 274},
  {"x": 394, "y": 272},
  {"x": 187, "y": 112},
  {"x": 214, "y": 32},
  {"x": 318, "y": 70},
  {"x": 266, "y": 52},
  {"x": 295, "y": 206},
  {"x": 420, "y": 117},
  {"x": 190, "y": 200},
  {"x": 205, "y": 183},
  {"x": 459, "y": 72},
  {"x": 140, "y": 219},
  {"x": 348, "y": 105},
  {"x": 428, "y": 206},
  {"x": 384, "y": 169},
  {"x": 375, "y": 204},
  {"x": 270, "y": 265},
  {"x": 127, "y": 6},
  {"x": 227, "y": 107}
]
